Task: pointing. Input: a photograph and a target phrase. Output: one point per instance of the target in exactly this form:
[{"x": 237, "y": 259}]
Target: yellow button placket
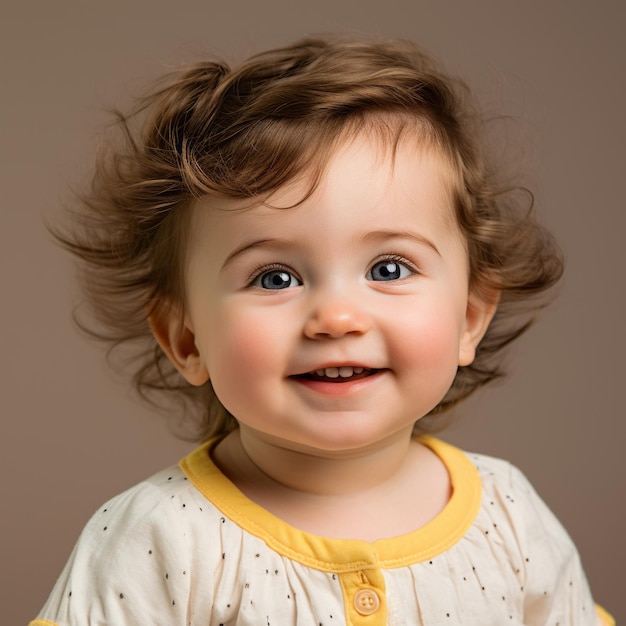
[{"x": 364, "y": 597}]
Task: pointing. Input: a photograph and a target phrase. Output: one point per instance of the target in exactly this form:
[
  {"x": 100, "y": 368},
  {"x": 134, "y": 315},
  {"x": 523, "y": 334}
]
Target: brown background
[{"x": 72, "y": 435}]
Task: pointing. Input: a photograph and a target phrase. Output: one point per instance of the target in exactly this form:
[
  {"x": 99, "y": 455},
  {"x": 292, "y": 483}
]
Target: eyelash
[
  {"x": 272, "y": 267},
  {"x": 396, "y": 258}
]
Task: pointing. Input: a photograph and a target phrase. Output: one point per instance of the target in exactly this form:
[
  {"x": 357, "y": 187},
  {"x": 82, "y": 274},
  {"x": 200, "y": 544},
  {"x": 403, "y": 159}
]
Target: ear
[
  {"x": 478, "y": 316},
  {"x": 176, "y": 338}
]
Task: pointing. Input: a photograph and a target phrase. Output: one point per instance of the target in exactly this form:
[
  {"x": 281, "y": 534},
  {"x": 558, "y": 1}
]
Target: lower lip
[{"x": 343, "y": 388}]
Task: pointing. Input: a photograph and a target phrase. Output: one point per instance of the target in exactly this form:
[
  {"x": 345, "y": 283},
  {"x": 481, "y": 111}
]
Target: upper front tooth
[{"x": 345, "y": 371}]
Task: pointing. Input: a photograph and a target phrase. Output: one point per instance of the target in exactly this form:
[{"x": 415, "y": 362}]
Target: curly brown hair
[{"x": 244, "y": 133}]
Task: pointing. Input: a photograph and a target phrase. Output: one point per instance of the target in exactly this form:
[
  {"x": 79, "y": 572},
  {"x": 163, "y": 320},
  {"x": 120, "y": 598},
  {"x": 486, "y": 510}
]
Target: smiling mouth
[{"x": 341, "y": 374}]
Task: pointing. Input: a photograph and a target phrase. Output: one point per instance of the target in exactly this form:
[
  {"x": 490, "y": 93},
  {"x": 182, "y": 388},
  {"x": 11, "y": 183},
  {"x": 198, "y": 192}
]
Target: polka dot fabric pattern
[{"x": 186, "y": 548}]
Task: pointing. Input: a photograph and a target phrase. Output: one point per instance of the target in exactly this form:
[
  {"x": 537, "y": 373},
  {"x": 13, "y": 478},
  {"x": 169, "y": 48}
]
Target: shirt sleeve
[
  {"x": 605, "y": 618},
  {"x": 130, "y": 566}
]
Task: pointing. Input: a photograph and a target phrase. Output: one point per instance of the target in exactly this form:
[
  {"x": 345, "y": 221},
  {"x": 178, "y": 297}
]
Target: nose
[{"x": 335, "y": 318}]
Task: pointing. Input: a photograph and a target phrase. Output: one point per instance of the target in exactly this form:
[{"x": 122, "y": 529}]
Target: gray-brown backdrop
[{"x": 71, "y": 434}]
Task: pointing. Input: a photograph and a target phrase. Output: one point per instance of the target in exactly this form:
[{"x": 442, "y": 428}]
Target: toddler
[{"x": 315, "y": 252}]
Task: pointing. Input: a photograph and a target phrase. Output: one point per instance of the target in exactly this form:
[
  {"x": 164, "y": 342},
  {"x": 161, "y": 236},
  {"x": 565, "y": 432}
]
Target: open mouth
[{"x": 342, "y": 374}]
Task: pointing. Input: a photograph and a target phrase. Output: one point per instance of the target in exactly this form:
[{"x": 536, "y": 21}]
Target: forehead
[
  {"x": 399, "y": 164},
  {"x": 370, "y": 167}
]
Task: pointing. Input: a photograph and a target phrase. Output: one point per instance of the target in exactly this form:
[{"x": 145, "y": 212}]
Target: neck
[
  {"x": 347, "y": 495},
  {"x": 254, "y": 463}
]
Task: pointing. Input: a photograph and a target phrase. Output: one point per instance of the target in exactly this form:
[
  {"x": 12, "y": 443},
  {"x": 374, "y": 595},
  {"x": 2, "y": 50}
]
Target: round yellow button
[{"x": 366, "y": 601}]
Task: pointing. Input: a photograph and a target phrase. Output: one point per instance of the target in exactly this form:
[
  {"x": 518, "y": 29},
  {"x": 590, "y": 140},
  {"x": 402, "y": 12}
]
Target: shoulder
[
  {"x": 504, "y": 501},
  {"x": 507, "y": 489},
  {"x": 515, "y": 520},
  {"x": 133, "y": 558},
  {"x": 509, "y": 496},
  {"x": 152, "y": 506},
  {"x": 165, "y": 513}
]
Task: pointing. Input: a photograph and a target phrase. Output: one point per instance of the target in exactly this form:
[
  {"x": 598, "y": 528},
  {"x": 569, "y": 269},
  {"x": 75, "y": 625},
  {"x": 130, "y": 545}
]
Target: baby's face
[{"x": 339, "y": 322}]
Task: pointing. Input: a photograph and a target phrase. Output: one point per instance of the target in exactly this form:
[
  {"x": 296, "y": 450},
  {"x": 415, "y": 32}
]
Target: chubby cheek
[
  {"x": 242, "y": 357},
  {"x": 427, "y": 341}
]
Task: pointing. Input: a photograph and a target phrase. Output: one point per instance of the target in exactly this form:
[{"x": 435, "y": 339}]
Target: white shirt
[{"x": 187, "y": 548}]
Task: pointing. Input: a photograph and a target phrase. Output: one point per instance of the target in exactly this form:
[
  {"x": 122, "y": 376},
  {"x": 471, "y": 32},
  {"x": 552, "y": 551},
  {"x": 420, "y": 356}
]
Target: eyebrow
[
  {"x": 384, "y": 235},
  {"x": 250, "y": 245},
  {"x": 378, "y": 235}
]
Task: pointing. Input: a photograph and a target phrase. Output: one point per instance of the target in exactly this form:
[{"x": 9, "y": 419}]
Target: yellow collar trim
[{"x": 345, "y": 555}]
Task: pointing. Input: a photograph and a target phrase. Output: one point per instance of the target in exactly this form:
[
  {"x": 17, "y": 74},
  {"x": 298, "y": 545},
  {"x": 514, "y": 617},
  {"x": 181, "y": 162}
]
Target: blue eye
[
  {"x": 276, "y": 279},
  {"x": 389, "y": 270}
]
